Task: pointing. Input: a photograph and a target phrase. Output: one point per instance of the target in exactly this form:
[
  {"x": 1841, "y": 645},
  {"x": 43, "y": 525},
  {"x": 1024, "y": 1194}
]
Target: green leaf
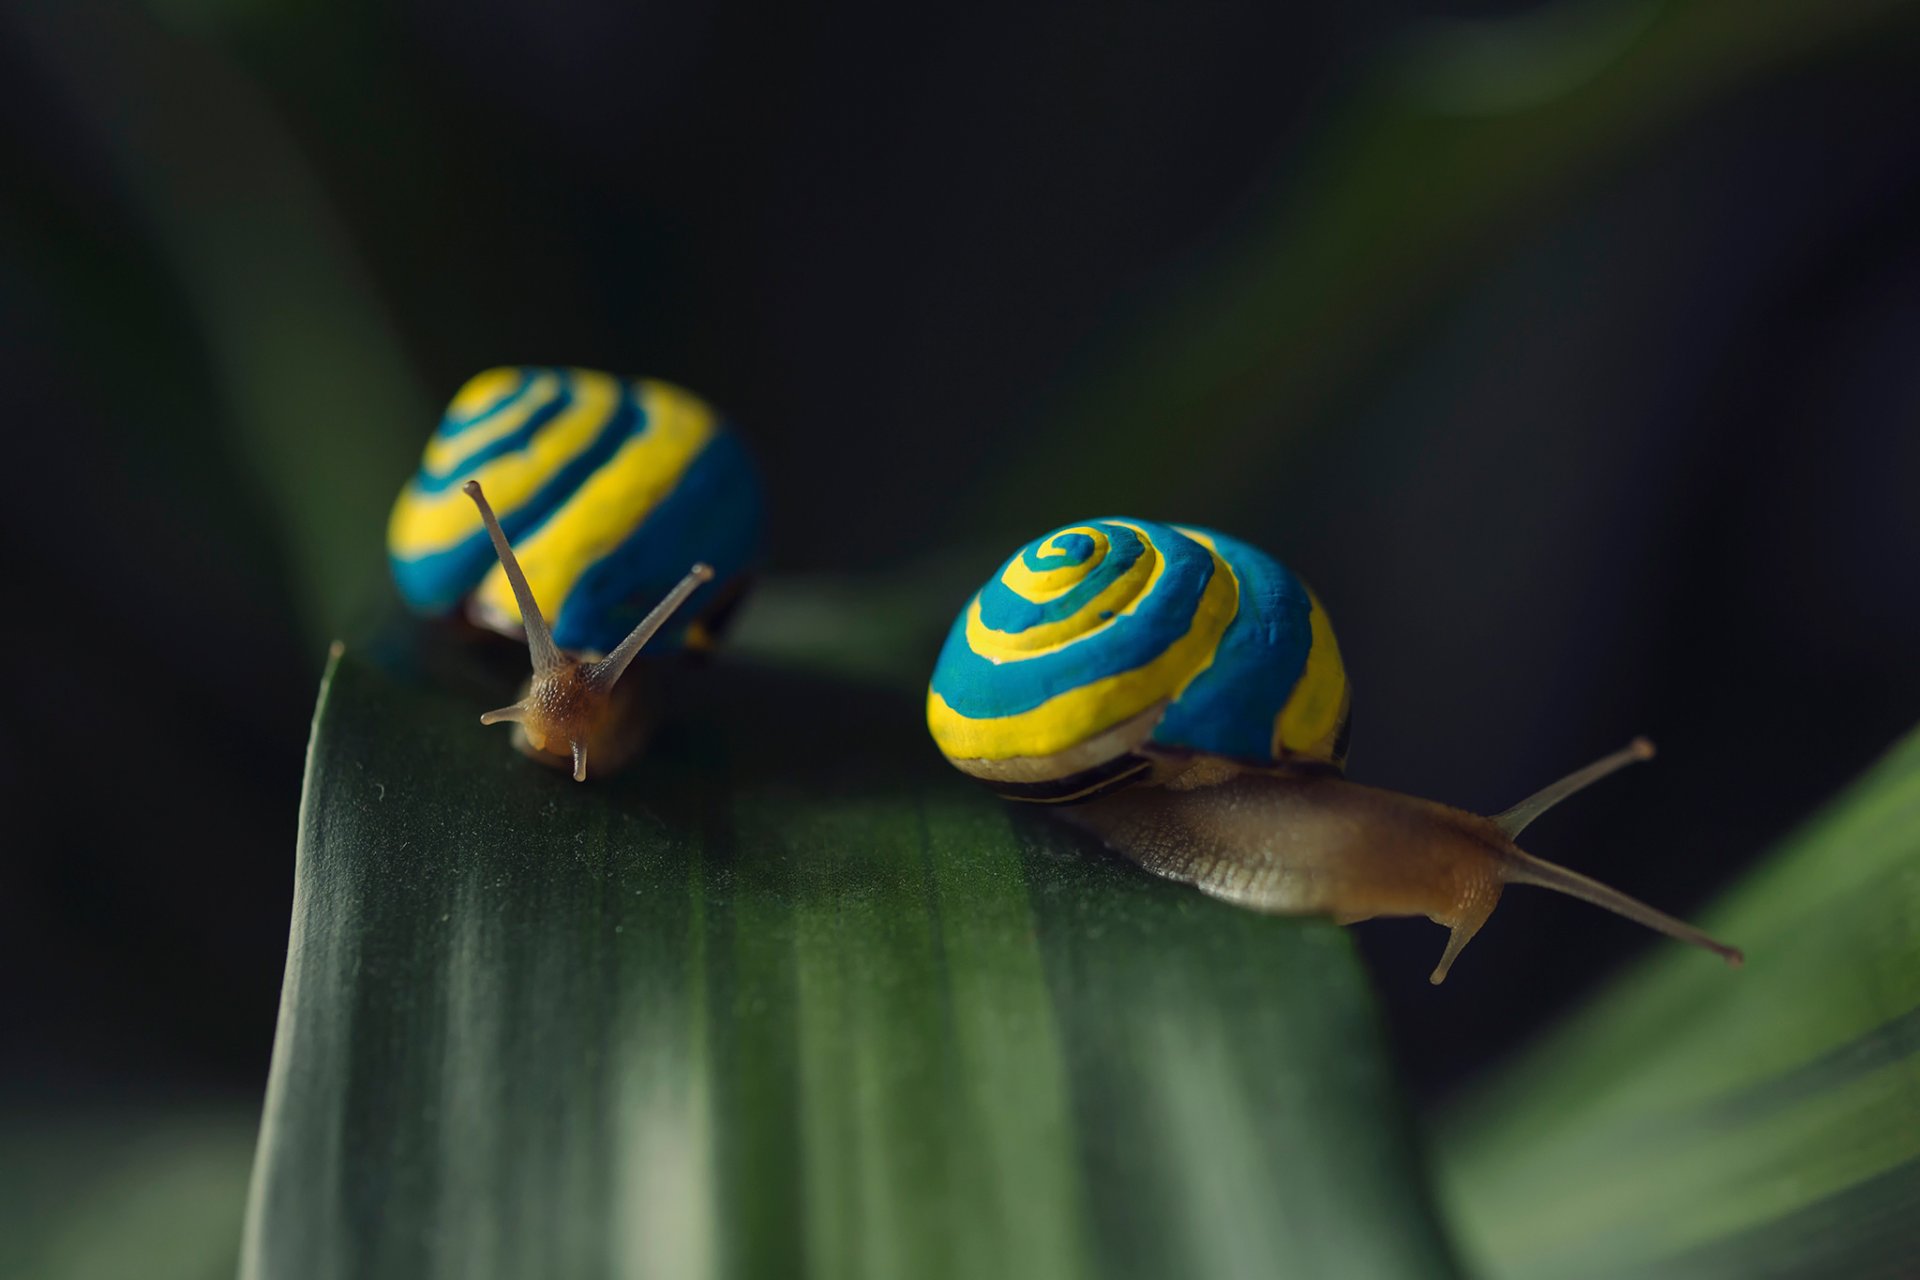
[
  {"x": 319, "y": 404},
  {"x": 792, "y": 997},
  {"x": 1698, "y": 1123}
]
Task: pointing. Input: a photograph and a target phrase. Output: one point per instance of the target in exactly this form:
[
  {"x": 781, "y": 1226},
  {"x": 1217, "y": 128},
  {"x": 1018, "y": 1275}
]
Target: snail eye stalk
[
  {"x": 1517, "y": 819},
  {"x": 604, "y": 674},
  {"x": 1520, "y": 867},
  {"x": 546, "y": 655}
]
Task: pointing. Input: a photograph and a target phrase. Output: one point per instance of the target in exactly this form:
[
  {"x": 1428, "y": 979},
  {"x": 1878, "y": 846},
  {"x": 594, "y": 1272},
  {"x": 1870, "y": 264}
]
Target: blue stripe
[
  {"x": 435, "y": 583},
  {"x": 1004, "y": 609},
  {"x": 979, "y": 688},
  {"x": 515, "y": 442},
  {"x": 452, "y": 426},
  {"x": 713, "y": 514},
  {"x": 1229, "y": 709}
]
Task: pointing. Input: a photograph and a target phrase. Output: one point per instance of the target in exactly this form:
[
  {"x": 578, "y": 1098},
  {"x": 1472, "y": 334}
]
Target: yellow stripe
[
  {"x": 1042, "y": 585},
  {"x": 1122, "y": 597},
  {"x": 424, "y": 523},
  {"x": 1310, "y": 721},
  {"x": 1073, "y": 716},
  {"x": 482, "y": 390},
  {"x": 446, "y": 454},
  {"x": 613, "y": 502}
]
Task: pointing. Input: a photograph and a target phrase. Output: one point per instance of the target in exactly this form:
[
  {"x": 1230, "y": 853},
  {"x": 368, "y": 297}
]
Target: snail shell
[
  {"x": 607, "y": 487},
  {"x": 1104, "y": 648}
]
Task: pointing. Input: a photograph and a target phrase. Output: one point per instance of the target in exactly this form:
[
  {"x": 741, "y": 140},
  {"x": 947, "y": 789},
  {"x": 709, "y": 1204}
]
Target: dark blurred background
[{"x": 1567, "y": 348}]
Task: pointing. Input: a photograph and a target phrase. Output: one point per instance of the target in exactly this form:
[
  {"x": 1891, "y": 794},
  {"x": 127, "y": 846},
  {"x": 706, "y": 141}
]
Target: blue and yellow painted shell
[
  {"x": 1108, "y": 641},
  {"x": 607, "y": 487}
]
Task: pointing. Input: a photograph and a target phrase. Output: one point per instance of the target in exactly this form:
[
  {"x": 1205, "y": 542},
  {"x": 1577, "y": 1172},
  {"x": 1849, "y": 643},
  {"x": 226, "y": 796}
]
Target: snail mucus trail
[
  {"x": 1307, "y": 841},
  {"x": 576, "y": 701}
]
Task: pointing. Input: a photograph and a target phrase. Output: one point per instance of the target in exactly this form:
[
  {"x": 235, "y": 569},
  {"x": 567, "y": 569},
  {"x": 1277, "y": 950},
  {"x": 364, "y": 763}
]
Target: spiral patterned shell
[
  {"x": 1105, "y": 639},
  {"x": 608, "y": 488}
]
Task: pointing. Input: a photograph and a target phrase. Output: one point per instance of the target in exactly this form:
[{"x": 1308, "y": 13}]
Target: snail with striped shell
[
  {"x": 1181, "y": 696},
  {"x": 611, "y": 487}
]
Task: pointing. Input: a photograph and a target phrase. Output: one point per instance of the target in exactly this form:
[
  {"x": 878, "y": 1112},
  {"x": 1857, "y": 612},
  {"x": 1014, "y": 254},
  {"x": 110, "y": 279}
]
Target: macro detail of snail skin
[
  {"x": 1180, "y": 695},
  {"x": 607, "y": 489}
]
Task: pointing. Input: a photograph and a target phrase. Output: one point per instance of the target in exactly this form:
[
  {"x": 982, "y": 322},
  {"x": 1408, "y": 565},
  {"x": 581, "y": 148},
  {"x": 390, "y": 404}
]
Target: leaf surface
[{"x": 791, "y": 997}]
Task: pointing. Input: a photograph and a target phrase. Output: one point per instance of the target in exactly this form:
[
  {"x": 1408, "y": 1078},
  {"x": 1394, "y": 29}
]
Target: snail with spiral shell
[
  {"x": 611, "y": 487},
  {"x": 1181, "y": 696}
]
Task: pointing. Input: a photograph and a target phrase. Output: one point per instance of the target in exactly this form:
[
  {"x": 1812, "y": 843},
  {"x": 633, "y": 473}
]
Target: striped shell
[
  {"x": 608, "y": 488},
  {"x": 1107, "y": 639}
]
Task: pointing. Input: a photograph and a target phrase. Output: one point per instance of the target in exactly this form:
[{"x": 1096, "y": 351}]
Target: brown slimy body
[
  {"x": 1312, "y": 843},
  {"x": 566, "y": 708}
]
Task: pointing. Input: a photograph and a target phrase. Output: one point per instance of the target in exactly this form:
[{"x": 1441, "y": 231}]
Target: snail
[
  {"x": 611, "y": 487},
  {"x": 1181, "y": 695}
]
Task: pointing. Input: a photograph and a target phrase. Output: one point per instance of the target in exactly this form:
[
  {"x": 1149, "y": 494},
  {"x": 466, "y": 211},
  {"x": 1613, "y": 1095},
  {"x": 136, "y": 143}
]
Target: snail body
[
  {"x": 610, "y": 487},
  {"x": 1180, "y": 695}
]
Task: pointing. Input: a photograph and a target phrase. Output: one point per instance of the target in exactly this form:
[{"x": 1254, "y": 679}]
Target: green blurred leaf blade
[{"x": 1697, "y": 1123}]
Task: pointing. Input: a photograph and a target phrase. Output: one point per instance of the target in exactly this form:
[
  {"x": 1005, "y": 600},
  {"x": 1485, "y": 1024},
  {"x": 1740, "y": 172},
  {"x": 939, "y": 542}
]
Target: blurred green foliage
[
  {"x": 316, "y": 402},
  {"x": 157, "y": 1193},
  {"x": 1688, "y": 1126}
]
